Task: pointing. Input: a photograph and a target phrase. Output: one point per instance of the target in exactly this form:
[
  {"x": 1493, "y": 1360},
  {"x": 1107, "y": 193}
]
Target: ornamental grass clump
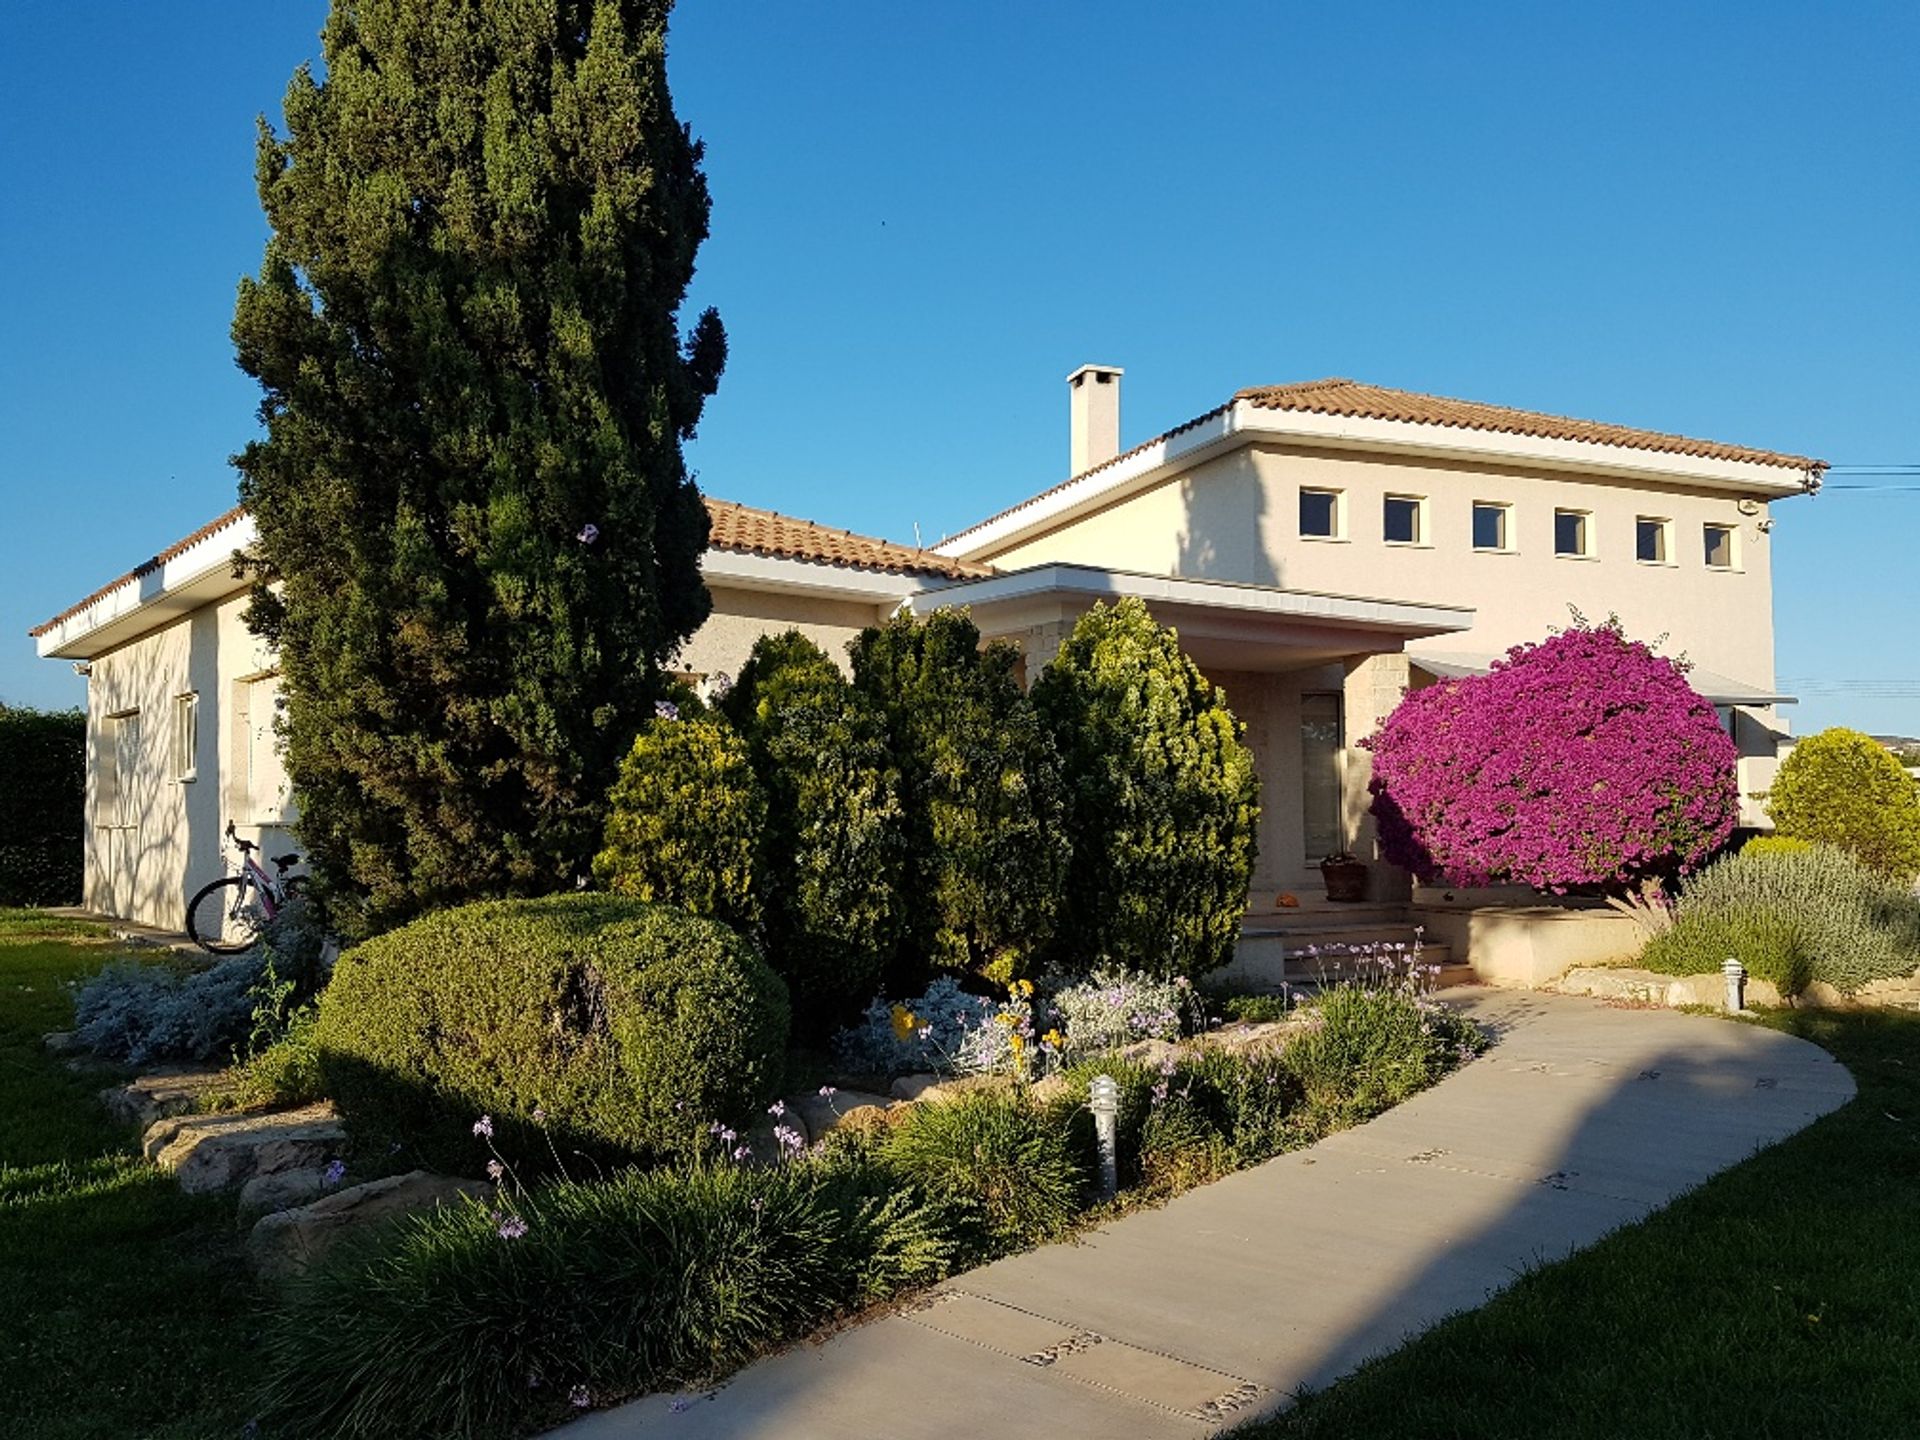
[
  {"x": 485, "y": 1320},
  {"x": 1582, "y": 762},
  {"x": 1793, "y": 917},
  {"x": 1370, "y": 1048},
  {"x": 1000, "y": 1165}
]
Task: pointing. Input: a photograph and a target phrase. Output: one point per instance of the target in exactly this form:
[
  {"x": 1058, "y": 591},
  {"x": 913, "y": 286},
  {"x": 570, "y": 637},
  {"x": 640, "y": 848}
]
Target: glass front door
[{"x": 1321, "y": 722}]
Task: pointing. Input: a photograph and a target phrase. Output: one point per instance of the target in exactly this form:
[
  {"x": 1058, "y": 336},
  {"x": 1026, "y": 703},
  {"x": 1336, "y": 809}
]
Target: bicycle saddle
[{"x": 285, "y": 862}]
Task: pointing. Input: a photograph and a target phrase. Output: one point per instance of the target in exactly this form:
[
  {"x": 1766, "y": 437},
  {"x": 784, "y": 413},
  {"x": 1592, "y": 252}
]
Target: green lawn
[
  {"x": 127, "y": 1307},
  {"x": 1781, "y": 1299}
]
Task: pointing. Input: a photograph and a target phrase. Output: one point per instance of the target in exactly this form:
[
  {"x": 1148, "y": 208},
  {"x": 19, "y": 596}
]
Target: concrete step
[{"x": 1266, "y": 962}]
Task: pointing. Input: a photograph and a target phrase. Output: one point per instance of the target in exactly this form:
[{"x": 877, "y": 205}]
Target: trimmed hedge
[
  {"x": 627, "y": 1027},
  {"x": 43, "y": 754}
]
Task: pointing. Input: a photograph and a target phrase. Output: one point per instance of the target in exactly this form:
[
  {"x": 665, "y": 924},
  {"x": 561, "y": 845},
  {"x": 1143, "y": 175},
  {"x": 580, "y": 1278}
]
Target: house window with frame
[
  {"x": 1720, "y": 547},
  {"x": 1492, "y": 525},
  {"x": 1403, "y": 520},
  {"x": 119, "y": 766},
  {"x": 186, "y": 737},
  {"x": 1319, "y": 513},
  {"x": 1573, "y": 534},
  {"x": 1650, "y": 540}
]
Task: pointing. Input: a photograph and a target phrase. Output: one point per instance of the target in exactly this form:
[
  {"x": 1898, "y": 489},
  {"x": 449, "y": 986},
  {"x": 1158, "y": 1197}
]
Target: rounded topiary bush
[
  {"x": 1583, "y": 762},
  {"x": 619, "y": 1029},
  {"x": 1847, "y": 789}
]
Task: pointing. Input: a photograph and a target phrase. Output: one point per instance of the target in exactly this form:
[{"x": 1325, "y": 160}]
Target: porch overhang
[
  {"x": 1221, "y": 623},
  {"x": 1710, "y": 685}
]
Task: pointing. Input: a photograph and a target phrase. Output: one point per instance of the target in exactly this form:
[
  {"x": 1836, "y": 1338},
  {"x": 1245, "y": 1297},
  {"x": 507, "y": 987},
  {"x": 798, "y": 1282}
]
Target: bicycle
[{"x": 223, "y": 923}]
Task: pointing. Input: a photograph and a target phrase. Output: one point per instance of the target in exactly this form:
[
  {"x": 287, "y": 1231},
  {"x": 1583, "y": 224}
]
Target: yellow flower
[
  {"x": 1023, "y": 988},
  {"x": 904, "y": 1022},
  {"x": 1005, "y": 1019},
  {"x": 1054, "y": 1038},
  {"x": 1017, "y": 1043}
]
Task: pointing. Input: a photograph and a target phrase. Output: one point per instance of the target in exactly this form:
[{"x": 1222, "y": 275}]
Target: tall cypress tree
[{"x": 477, "y": 537}]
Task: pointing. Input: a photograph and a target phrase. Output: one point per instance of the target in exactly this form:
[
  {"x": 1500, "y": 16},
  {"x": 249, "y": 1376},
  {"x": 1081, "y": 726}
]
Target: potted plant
[{"x": 1346, "y": 876}]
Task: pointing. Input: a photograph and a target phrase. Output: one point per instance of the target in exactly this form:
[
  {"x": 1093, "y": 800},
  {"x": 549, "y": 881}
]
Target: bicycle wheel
[{"x": 221, "y": 919}]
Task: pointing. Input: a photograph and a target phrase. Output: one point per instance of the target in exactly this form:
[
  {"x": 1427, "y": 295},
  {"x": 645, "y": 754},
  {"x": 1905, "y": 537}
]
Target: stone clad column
[
  {"x": 1039, "y": 644},
  {"x": 1373, "y": 688}
]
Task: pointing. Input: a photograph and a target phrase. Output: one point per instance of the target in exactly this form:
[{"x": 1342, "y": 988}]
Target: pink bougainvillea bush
[{"x": 1583, "y": 762}]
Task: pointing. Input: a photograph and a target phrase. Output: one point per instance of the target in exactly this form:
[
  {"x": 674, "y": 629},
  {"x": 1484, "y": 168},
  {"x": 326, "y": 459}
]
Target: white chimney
[{"x": 1093, "y": 399}]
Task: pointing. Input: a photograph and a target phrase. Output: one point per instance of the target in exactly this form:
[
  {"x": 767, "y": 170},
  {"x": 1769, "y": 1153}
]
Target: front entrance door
[{"x": 1323, "y": 823}]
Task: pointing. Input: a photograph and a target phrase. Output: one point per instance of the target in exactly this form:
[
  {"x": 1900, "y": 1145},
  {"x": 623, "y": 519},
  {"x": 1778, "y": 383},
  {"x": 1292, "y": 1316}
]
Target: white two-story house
[{"x": 1320, "y": 547}]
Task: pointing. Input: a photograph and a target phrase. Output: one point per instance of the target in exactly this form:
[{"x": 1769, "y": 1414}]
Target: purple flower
[
  {"x": 665, "y": 710},
  {"x": 539, "y": 1114},
  {"x": 828, "y": 1091},
  {"x": 742, "y": 1152},
  {"x": 580, "y": 1397},
  {"x": 483, "y": 1127},
  {"x": 513, "y": 1228},
  {"x": 588, "y": 533},
  {"x": 777, "y": 1108},
  {"x": 679, "y": 1407},
  {"x": 336, "y": 1172},
  {"x": 495, "y": 1170}
]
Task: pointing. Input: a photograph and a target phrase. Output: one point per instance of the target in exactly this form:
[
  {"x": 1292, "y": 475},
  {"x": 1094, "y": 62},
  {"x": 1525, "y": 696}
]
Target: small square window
[
  {"x": 1650, "y": 540},
  {"x": 1320, "y": 513},
  {"x": 186, "y": 736},
  {"x": 1402, "y": 520},
  {"x": 1572, "y": 533},
  {"x": 1719, "y": 547},
  {"x": 1489, "y": 526}
]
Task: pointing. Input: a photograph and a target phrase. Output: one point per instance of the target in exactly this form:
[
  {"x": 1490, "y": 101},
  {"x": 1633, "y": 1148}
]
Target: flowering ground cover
[{"x": 128, "y": 1309}]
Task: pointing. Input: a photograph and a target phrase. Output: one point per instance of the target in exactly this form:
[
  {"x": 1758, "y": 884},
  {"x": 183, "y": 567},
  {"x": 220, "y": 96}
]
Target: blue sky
[{"x": 1703, "y": 218}]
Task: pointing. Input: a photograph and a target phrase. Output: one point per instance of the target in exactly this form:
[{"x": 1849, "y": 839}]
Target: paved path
[{"x": 1181, "y": 1321}]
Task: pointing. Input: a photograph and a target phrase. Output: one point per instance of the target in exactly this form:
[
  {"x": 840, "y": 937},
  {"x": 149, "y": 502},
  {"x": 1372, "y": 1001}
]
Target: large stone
[
  {"x": 1902, "y": 990},
  {"x": 1152, "y": 1053},
  {"x": 911, "y": 1087},
  {"x": 954, "y": 1087},
  {"x": 1646, "y": 987},
  {"x": 217, "y": 1152},
  {"x": 264, "y": 1194},
  {"x": 287, "y": 1242},
  {"x": 62, "y": 1042},
  {"x": 171, "y": 1090},
  {"x": 823, "y": 1113}
]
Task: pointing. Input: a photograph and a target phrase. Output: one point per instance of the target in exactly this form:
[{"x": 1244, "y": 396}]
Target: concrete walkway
[{"x": 1182, "y": 1321}]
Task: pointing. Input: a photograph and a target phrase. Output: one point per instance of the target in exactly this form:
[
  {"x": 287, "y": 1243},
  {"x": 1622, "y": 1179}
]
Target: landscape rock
[
  {"x": 1253, "y": 1034},
  {"x": 217, "y": 1152},
  {"x": 910, "y": 1087},
  {"x": 1819, "y": 995},
  {"x": 1150, "y": 1052},
  {"x": 62, "y": 1042},
  {"x": 955, "y": 1086},
  {"x": 264, "y": 1194},
  {"x": 765, "y": 1145},
  {"x": 823, "y": 1113},
  {"x": 170, "y": 1090},
  {"x": 287, "y": 1242},
  {"x": 1646, "y": 987},
  {"x": 1903, "y": 990},
  {"x": 1049, "y": 1088}
]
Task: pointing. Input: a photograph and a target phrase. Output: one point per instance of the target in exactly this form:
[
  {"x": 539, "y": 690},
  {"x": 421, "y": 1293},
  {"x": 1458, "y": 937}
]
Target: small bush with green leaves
[
  {"x": 1775, "y": 845},
  {"x": 833, "y": 848},
  {"x": 1255, "y": 1009},
  {"x": 1842, "y": 788},
  {"x": 1162, "y": 798},
  {"x": 1793, "y": 916},
  {"x": 1001, "y": 1165},
  {"x": 1114, "y": 1007},
  {"x": 684, "y": 820},
  {"x": 287, "y": 1071},
  {"x": 43, "y": 754},
  {"x": 617, "y": 1027},
  {"x": 484, "y": 1321}
]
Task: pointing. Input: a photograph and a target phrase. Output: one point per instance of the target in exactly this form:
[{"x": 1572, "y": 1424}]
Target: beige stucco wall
[
  {"x": 741, "y": 616},
  {"x": 1236, "y": 517},
  {"x": 171, "y": 841}
]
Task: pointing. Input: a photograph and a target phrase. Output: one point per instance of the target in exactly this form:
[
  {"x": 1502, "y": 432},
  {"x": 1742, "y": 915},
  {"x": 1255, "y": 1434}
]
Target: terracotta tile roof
[
  {"x": 1378, "y": 402},
  {"x": 764, "y": 532},
  {"x": 144, "y": 568},
  {"x": 735, "y": 527}
]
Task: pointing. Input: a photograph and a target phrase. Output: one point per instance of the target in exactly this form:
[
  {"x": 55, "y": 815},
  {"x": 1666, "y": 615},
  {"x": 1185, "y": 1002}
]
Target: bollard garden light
[
  {"x": 1736, "y": 976},
  {"x": 1103, "y": 1099}
]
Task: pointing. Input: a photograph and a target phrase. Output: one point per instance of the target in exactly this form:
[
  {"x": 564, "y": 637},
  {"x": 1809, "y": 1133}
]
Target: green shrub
[
  {"x": 626, "y": 1285},
  {"x": 1370, "y": 1050},
  {"x": 1254, "y": 1009},
  {"x": 833, "y": 848},
  {"x": 1775, "y": 845},
  {"x": 987, "y": 846},
  {"x": 1792, "y": 916},
  {"x": 286, "y": 1072},
  {"x": 1181, "y": 1146},
  {"x": 1002, "y": 1165},
  {"x": 1162, "y": 798},
  {"x": 43, "y": 754},
  {"x": 684, "y": 820},
  {"x": 1846, "y": 789},
  {"x": 631, "y": 1026}
]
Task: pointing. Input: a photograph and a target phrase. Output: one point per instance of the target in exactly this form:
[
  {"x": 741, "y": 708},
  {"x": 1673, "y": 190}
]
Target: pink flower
[{"x": 483, "y": 1127}]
